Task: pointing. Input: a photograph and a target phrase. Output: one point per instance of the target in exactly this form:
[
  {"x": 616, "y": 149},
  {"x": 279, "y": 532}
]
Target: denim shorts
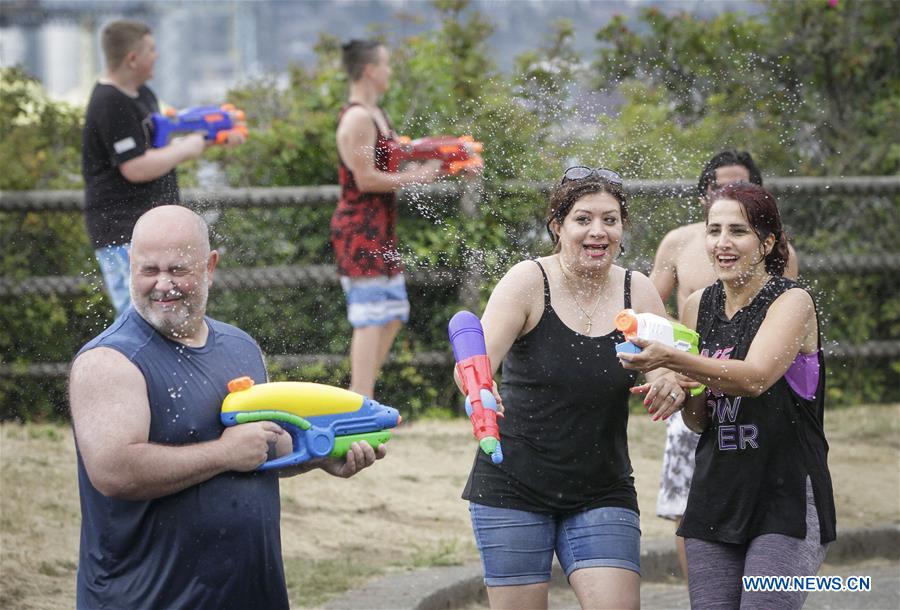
[
  {"x": 375, "y": 301},
  {"x": 114, "y": 266},
  {"x": 517, "y": 546}
]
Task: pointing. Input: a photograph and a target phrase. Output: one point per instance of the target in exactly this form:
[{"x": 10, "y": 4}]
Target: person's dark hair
[
  {"x": 119, "y": 38},
  {"x": 762, "y": 214},
  {"x": 565, "y": 195},
  {"x": 724, "y": 159},
  {"x": 356, "y": 54}
]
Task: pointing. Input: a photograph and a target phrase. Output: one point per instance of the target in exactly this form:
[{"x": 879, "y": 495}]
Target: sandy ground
[{"x": 403, "y": 513}]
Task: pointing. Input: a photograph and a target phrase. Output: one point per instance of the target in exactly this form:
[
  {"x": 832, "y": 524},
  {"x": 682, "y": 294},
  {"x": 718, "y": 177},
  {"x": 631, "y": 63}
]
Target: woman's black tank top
[
  {"x": 754, "y": 457},
  {"x": 565, "y": 445}
]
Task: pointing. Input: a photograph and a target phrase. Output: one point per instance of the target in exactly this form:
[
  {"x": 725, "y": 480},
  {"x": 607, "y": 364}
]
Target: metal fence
[{"x": 468, "y": 194}]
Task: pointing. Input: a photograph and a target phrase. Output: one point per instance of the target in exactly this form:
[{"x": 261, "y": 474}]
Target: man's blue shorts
[{"x": 517, "y": 546}]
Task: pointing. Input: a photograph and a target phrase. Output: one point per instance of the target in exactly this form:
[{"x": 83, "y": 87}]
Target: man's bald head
[
  {"x": 171, "y": 271},
  {"x": 173, "y": 223}
]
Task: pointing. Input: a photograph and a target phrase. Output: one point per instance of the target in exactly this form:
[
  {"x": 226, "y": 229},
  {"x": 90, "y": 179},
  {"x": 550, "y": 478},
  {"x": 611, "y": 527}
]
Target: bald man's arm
[{"x": 111, "y": 418}]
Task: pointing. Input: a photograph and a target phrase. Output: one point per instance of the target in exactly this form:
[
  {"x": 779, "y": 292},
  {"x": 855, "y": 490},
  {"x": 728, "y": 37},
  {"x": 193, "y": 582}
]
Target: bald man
[{"x": 173, "y": 515}]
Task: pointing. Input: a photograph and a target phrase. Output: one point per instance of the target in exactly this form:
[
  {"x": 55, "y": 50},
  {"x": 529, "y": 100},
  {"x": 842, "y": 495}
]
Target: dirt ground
[{"x": 401, "y": 514}]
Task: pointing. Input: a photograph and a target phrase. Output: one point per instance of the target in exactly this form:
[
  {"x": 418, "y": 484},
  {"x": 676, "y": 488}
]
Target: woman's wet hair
[
  {"x": 762, "y": 214},
  {"x": 725, "y": 159},
  {"x": 357, "y": 54},
  {"x": 564, "y": 196}
]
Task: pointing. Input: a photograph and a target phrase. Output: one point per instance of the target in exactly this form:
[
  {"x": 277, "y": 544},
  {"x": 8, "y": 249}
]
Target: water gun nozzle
[{"x": 627, "y": 323}]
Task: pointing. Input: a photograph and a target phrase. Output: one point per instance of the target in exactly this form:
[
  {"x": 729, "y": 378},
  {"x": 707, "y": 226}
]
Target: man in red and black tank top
[{"x": 364, "y": 225}]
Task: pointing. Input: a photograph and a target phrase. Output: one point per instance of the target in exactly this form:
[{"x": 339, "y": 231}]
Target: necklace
[{"x": 575, "y": 300}]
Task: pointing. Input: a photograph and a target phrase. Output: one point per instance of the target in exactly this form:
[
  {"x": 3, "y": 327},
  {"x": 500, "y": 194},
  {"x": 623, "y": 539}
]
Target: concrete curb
[{"x": 458, "y": 586}]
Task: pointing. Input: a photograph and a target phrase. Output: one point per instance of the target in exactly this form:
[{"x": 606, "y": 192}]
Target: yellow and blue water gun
[{"x": 322, "y": 420}]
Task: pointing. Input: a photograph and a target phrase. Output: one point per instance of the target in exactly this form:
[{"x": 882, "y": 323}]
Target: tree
[
  {"x": 41, "y": 138},
  {"x": 811, "y": 86}
]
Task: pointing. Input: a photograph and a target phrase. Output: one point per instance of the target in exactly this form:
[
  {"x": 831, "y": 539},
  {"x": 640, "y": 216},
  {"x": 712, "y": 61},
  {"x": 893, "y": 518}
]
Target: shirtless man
[{"x": 682, "y": 264}]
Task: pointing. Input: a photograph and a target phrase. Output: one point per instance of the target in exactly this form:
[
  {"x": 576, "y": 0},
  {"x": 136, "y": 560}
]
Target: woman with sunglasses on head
[
  {"x": 761, "y": 501},
  {"x": 565, "y": 483}
]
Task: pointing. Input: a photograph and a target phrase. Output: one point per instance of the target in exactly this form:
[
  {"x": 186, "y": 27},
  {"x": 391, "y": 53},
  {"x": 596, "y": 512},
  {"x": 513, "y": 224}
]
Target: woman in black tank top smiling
[
  {"x": 761, "y": 501},
  {"x": 565, "y": 483}
]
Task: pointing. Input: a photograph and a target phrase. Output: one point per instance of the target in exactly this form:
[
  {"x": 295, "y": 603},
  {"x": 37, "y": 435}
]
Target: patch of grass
[
  {"x": 11, "y": 596},
  {"x": 52, "y": 507},
  {"x": 311, "y": 582},
  {"x": 40, "y": 462},
  {"x": 60, "y": 567},
  {"x": 439, "y": 413},
  {"x": 437, "y": 442},
  {"x": 44, "y": 431},
  {"x": 878, "y": 424},
  {"x": 289, "y": 503},
  {"x": 448, "y": 552}
]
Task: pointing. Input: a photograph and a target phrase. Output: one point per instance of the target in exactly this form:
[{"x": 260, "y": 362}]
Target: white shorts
[
  {"x": 375, "y": 301},
  {"x": 678, "y": 468}
]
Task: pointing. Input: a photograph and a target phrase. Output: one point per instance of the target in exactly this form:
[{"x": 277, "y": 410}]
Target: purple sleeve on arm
[{"x": 803, "y": 375}]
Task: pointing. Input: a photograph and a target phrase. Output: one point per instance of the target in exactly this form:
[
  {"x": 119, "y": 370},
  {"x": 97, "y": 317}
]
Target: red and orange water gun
[{"x": 457, "y": 153}]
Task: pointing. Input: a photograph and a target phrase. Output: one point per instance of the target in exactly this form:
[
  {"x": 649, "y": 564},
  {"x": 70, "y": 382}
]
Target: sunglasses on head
[{"x": 580, "y": 172}]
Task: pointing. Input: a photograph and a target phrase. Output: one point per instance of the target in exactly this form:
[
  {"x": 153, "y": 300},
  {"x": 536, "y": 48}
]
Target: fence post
[{"x": 471, "y": 191}]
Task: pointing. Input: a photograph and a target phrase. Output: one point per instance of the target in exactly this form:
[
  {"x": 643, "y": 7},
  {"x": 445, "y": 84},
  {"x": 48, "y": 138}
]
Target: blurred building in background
[{"x": 208, "y": 46}]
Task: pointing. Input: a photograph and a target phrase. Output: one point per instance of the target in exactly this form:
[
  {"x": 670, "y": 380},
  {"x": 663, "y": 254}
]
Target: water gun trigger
[
  {"x": 319, "y": 443},
  {"x": 627, "y": 347},
  {"x": 298, "y": 454},
  {"x": 487, "y": 399}
]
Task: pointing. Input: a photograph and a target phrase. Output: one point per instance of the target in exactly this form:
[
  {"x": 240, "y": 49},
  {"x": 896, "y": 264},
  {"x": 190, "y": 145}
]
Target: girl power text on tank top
[
  {"x": 364, "y": 225},
  {"x": 564, "y": 438},
  {"x": 756, "y": 454}
]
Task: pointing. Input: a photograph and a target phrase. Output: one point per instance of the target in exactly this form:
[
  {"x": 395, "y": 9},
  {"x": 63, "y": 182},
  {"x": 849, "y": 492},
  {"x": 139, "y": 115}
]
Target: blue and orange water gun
[
  {"x": 216, "y": 123},
  {"x": 474, "y": 368},
  {"x": 322, "y": 420}
]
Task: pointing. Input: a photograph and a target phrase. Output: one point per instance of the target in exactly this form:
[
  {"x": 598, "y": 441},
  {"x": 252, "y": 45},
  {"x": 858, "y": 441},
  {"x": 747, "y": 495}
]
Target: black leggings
[{"x": 715, "y": 568}]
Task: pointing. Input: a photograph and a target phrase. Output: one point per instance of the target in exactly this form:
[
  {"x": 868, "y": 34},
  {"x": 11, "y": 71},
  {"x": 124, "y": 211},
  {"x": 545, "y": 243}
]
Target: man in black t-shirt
[{"x": 123, "y": 175}]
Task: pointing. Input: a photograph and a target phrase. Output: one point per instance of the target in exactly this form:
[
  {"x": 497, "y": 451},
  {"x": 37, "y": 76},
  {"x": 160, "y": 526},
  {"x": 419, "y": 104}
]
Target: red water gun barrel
[{"x": 474, "y": 368}]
